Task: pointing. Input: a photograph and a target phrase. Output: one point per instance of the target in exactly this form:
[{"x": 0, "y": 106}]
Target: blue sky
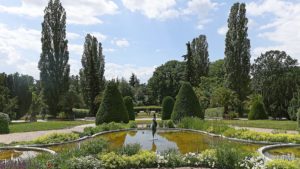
[{"x": 139, "y": 35}]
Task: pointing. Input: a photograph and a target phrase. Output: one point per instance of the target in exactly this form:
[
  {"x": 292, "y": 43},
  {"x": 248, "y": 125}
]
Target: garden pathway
[
  {"x": 28, "y": 136},
  {"x": 267, "y": 130}
]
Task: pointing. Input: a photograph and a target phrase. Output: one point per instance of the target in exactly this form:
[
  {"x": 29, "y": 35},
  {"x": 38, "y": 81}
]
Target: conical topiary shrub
[
  {"x": 167, "y": 107},
  {"x": 257, "y": 109},
  {"x": 129, "y": 106},
  {"x": 112, "y": 108},
  {"x": 186, "y": 104},
  {"x": 4, "y": 123}
]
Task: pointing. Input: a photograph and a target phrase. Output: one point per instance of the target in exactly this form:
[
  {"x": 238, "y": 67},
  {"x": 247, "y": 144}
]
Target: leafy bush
[
  {"x": 166, "y": 124},
  {"x": 257, "y": 109},
  {"x": 187, "y": 104},
  {"x": 233, "y": 115},
  {"x": 112, "y": 108},
  {"x": 281, "y": 164},
  {"x": 208, "y": 158},
  {"x": 4, "y": 123},
  {"x": 228, "y": 157},
  {"x": 298, "y": 118},
  {"x": 129, "y": 149},
  {"x": 88, "y": 131},
  {"x": 81, "y": 113},
  {"x": 112, "y": 160},
  {"x": 92, "y": 147},
  {"x": 172, "y": 159},
  {"x": 88, "y": 162},
  {"x": 167, "y": 107},
  {"x": 214, "y": 112},
  {"x": 129, "y": 106},
  {"x": 199, "y": 124},
  {"x": 56, "y": 138}
]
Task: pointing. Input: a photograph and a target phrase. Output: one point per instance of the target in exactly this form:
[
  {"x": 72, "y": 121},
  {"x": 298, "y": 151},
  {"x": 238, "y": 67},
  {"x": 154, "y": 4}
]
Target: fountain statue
[{"x": 153, "y": 125}]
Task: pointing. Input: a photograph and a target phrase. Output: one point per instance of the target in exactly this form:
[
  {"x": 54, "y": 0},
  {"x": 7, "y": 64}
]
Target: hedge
[
  {"x": 80, "y": 113},
  {"x": 129, "y": 106},
  {"x": 257, "y": 111},
  {"x": 167, "y": 107},
  {"x": 147, "y": 108},
  {"x": 112, "y": 108},
  {"x": 187, "y": 104},
  {"x": 4, "y": 123}
]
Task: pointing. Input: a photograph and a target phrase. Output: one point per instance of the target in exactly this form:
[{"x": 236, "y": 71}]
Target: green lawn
[
  {"x": 39, "y": 126},
  {"x": 270, "y": 124}
]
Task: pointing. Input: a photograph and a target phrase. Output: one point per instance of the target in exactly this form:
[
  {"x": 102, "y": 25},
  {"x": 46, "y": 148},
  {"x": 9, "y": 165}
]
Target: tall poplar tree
[
  {"x": 237, "y": 52},
  {"x": 92, "y": 73},
  {"x": 189, "y": 73},
  {"x": 53, "y": 64},
  {"x": 199, "y": 51}
]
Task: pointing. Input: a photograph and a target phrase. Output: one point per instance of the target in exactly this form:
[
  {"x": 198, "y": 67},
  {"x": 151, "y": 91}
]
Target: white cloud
[
  {"x": 109, "y": 49},
  {"x": 76, "y": 49},
  {"x": 29, "y": 68},
  {"x": 167, "y": 9},
  {"x": 82, "y": 12},
  {"x": 122, "y": 43},
  {"x": 113, "y": 70},
  {"x": 100, "y": 37},
  {"x": 223, "y": 30},
  {"x": 153, "y": 9},
  {"x": 282, "y": 30},
  {"x": 72, "y": 35}
]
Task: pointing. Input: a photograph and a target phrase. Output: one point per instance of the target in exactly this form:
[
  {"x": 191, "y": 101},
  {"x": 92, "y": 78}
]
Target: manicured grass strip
[
  {"x": 268, "y": 124},
  {"x": 40, "y": 126}
]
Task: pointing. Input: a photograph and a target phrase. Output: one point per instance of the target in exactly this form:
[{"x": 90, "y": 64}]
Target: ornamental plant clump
[
  {"x": 4, "y": 123},
  {"x": 129, "y": 106}
]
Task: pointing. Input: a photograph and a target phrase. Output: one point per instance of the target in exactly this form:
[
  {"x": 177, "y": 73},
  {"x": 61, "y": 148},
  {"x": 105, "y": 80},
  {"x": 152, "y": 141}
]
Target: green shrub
[
  {"x": 88, "y": 162},
  {"x": 112, "y": 108},
  {"x": 233, "y": 115},
  {"x": 92, "y": 147},
  {"x": 81, "y": 113},
  {"x": 166, "y": 124},
  {"x": 56, "y": 138},
  {"x": 129, "y": 106},
  {"x": 4, "y": 123},
  {"x": 88, "y": 131},
  {"x": 129, "y": 149},
  {"x": 298, "y": 118},
  {"x": 228, "y": 157},
  {"x": 208, "y": 158},
  {"x": 167, "y": 107},
  {"x": 257, "y": 109},
  {"x": 132, "y": 125},
  {"x": 281, "y": 164},
  {"x": 216, "y": 112},
  {"x": 187, "y": 104},
  {"x": 173, "y": 158}
]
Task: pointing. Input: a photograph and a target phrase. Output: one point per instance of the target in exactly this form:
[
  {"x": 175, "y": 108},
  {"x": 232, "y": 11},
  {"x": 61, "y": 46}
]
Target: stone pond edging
[
  {"x": 21, "y": 148},
  {"x": 263, "y": 149}
]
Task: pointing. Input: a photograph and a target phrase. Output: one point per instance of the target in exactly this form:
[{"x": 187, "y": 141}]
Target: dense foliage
[
  {"x": 166, "y": 80},
  {"x": 257, "y": 108},
  {"x": 224, "y": 97},
  {"x": 112, "y": 108},
  {"x": 92, "y": 73},
  {"x": 186, "y": 104},
  {"x": 53, "y": 64},
  {"x": 129, "y": 106},
  {"x": 167, "y": 108},
  {"x": 4, "y": 122},
  {"x": 276, "y": 77},
  {"x": 237, "y": 53}
]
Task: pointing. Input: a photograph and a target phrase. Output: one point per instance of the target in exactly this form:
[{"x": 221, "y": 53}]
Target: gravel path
[
  {"x": 266, "y": 130},
  {"x": 28, "y": 136}
]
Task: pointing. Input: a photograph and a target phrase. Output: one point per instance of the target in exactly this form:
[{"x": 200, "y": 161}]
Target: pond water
[
  {"x": 289, "y": 153},
  {"x": 183, "y": 141},
  {"x": 16, "y": 154}
]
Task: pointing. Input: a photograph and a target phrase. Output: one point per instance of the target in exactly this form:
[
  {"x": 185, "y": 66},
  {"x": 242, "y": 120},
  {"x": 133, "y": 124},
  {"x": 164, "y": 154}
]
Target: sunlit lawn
[{"x": 39, "y": 126}]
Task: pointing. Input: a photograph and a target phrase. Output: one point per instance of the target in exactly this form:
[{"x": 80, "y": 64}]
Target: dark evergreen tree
[
  {"x": 134, "y": 81},
  {"x": 129, "y": 106},
  {"x": 53, "y": 64},
  {"x": 92, "y": 73},
  {"x": 4, "y": 123},
  {"x": 112, "y": 108},
  {"x": 237, "y": 52},
  {"x": 189, "y": 73},
  {"x": 199, "y": 50},
  {"x": 125, "y": 88},
  {"x": 257, "y": 108},
  {"x": 167, "y": 108},
  {"x": 186, "y": 104}
]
